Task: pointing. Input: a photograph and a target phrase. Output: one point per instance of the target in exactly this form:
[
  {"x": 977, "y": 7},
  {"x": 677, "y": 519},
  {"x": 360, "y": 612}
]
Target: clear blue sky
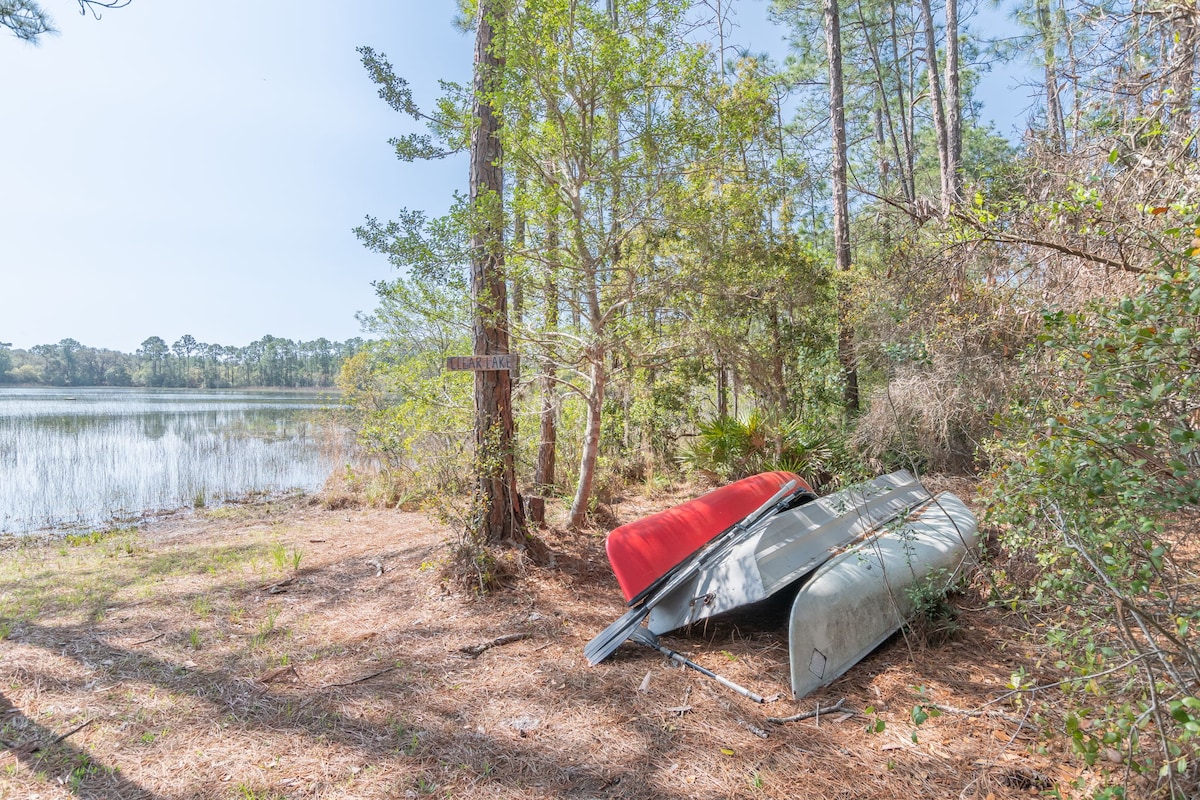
[{"x": 197, "y": 168}]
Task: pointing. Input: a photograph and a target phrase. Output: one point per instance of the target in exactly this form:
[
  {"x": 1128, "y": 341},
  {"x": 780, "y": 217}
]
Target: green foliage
[
  {"x": 875, "y": 722},
  {"x": 265, "y": 630},
  {"x": 934, "y": 618},
  {"x": 1108, "y": 442},
  {"x": 283, "y": 557},
  {"x": 1102, "y": 451},
  {"x": 729, "y": 449},
  {"x": 754, "y": 287},
  {"x": 395, "y": 91},
  {"x": 922, "y": 713},
  {"x": 475, "y": 562},
  {"x": 91, "y": 537},
  {"x": 270, "y": 361},
  {"x": 25, "y": 19},
  {"x": 659, "y": 406},
  {"x": 245, "y": 792},
  {"x": 407, "y": 411}
]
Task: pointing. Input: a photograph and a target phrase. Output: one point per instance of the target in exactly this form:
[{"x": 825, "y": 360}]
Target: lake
[{"x": 78, "y": 458}]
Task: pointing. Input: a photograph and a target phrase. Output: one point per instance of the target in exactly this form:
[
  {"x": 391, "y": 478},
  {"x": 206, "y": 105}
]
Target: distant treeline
[{"x": 270, "y": 361}]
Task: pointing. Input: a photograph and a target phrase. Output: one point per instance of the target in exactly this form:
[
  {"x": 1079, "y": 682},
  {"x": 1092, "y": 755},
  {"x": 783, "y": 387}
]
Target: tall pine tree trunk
[
  {"x": 1056, "y": 129},
  {"x": 841, "y": 202},
  {"x": 904, "y": 109},
  {"x": 954, "y": 143},
  {"x": 937, "y": 103},
  {"x": 885, "y": 121},
  {"x": 501, "y": 519}
]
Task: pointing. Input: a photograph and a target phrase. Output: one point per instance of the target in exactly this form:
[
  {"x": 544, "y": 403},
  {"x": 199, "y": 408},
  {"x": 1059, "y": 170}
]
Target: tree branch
[{"x": 988, "y": 235}]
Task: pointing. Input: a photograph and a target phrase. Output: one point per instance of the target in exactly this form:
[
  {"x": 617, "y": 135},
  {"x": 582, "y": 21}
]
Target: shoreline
[{"x": 151, "y": 518}]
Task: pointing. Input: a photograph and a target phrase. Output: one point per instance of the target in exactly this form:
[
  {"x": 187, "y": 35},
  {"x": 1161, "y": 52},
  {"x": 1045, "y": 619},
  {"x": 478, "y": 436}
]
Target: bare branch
[{"x": 94, "y": 5}]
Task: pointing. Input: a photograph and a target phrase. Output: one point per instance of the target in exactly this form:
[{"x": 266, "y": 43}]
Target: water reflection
[{"x": 83, "y": 457}]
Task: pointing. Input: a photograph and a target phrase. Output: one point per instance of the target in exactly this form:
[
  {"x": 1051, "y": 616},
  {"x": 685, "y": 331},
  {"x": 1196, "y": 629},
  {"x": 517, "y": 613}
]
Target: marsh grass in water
[{"x": 85, "y": 457}]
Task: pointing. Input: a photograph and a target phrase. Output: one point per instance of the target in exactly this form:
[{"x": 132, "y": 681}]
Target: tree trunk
[
  {"x": 722, "y": 390},
  {"x": 1055, "y": 121},
  {"x": 937, "y": 103},
  {"x": 591, "y": 442},
  {"x": 597, "y": 325},
  {"x": 778, "y": 397},
  {"x": 595, "y": 353},
  {"x": 904, "y": 109},
  {"x": 885, "y": 124},
  {"x": 501, "y": 519},
  {"x": 881, "y": 159},
  {"x": 1183, "y": 78},
  {"x": 517, "y": 287},
  {"x": 543, "y": 472},
  {"x": 954, "y": 144},
  {"x": 841, "y": 202},
  {"x": 543, "y": 475},
  {"x": 614, "y": 153}
]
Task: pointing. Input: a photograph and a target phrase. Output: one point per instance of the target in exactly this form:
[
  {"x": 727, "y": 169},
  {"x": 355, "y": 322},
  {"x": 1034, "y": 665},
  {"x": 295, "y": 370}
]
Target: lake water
[{"x": 77, "y": 458}]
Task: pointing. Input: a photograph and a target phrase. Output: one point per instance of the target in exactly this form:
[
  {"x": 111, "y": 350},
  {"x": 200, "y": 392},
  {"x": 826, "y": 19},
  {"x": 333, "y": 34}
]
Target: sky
[{"x": 198, "y": 168}]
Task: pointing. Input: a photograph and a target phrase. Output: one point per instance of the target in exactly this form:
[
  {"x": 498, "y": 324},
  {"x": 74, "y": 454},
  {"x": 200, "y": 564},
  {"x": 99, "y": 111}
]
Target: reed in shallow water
[{"x": 81, "y": 457}]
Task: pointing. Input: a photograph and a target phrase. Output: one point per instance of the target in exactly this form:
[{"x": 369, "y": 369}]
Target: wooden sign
[{"x": 499, "y": 361}]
